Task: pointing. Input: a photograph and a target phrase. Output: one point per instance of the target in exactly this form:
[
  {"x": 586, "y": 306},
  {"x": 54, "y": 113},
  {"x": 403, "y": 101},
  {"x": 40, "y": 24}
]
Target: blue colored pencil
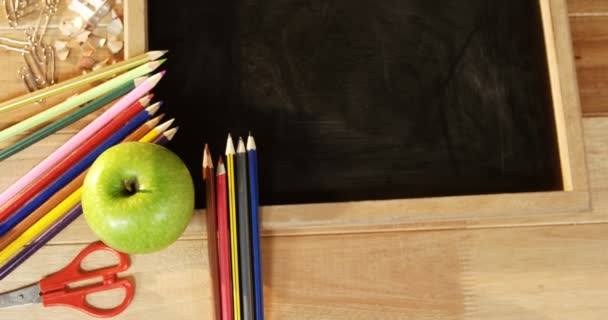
[
  {"x": 255, "y": 229},
  {"x": 76, "y": 170}
]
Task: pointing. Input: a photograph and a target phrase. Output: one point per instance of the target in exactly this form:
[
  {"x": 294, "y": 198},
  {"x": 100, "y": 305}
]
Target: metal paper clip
[
  {"x": 28, "y": 79},
  {"x": 49, "y": 53},
  {"x": 91, "y": 11},
  {"x": 16, "y": 9}
]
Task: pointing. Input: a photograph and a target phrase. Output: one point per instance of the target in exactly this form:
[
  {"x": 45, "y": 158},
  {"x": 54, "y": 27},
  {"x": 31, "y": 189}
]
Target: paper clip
[{"x": 16, "y": 9}]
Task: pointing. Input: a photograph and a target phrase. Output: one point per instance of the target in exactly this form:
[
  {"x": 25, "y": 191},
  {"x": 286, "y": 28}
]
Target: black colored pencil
[{"x": 245, "y": 254}]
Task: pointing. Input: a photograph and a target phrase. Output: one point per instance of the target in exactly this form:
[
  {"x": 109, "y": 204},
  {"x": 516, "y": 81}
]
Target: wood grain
[
  {"x": 589, "y": 21},
  {"x": 385, "y": 272},
  {"x": 587, "y": 7}
]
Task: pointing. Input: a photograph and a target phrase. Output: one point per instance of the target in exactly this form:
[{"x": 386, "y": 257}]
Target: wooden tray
[{"x": 134, "y": 21}]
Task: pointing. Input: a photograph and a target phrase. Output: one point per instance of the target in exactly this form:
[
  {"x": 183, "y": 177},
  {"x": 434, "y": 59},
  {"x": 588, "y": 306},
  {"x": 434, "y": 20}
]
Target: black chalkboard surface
[{"x": 359, "y": 99}]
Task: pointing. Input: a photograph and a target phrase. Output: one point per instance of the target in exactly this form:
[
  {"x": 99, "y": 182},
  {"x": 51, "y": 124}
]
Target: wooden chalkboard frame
[
  {"x": 468, "y": 211},
  {"x": 478, "y": 210}
]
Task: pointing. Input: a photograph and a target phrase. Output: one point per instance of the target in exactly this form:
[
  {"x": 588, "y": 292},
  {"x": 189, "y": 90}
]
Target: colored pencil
[
  {"x": 149, "y": 137},
  {"x": 144, "y": 128},
  {"x": 72, "y": 173},
  {"x": 223, "y": 240},
  {"x": 51, "y": 232},
  {"x": 209, "y": 180},
  {"x": 77, "y": 100},
  {"x": 80, "y": 81},
  {"x": 82, "y": 136},
  {"x": 242, "y": 210},
  {"x": 254, "y": 195},
  {"x": 236, "y": 292},
  {"x": 67, "y": 190},
  {"x": 69, "y": 119},
  {"x": 164, "y": 138},
  {"x": 77, "y": 155}
]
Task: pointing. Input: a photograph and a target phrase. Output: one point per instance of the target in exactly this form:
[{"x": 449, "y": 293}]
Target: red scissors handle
[{"x": 55, "y": 291}]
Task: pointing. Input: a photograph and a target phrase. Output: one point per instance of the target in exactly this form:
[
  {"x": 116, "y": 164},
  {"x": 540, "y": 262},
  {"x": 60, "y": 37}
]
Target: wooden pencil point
[
  {"x": 250, "y": 143},
  {"x": 221, "y": 168},
  {"x": 241, "y": 146},
  {"x": 165, "y": 125},
  {"x": 155, "y": 78},
  {"x": 145, "y": 100},
  {"x": 155, "y": 64},
  {"x": 229, "y": 145},
  {"x": 154, "y": 55},
  {"x": 169, "y": 134},
  {"x": 140, "y": 80},
  {"x": 207, "y": 161},
  {"x": 153, "y": 108}
]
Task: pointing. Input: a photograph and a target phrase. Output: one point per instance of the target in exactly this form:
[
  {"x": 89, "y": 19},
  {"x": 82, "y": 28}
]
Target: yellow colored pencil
[
  {"x": 156, "y": 131},
  {"x": 81, "y": 80},
  {"x": 234, "y": 245},
  {"x": 32, "y": 232},
  {"x": 45, "y": 222}
]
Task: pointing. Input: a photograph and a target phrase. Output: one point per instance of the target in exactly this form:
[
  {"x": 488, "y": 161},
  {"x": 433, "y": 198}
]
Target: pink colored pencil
[{"x": 80, "y": 137}]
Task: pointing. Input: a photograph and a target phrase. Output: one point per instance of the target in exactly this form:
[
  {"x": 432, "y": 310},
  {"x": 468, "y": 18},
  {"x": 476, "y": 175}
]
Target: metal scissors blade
[{"x": 26, "y": 295}]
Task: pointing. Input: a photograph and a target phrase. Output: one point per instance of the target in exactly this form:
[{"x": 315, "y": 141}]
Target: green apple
[{"x": 138, "y": 197}]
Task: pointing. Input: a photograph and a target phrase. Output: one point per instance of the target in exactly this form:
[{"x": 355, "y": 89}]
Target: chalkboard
[{"x": 359, "y": 99}]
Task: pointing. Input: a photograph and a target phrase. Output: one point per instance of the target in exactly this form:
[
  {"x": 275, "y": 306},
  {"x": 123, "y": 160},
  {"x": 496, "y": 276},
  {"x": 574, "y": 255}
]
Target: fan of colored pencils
[
  {"x": 45, "y": 200},
  {"x": 233, "y": 232}
]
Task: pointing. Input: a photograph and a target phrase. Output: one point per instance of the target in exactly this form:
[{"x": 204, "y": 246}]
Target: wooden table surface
[{"x": 550, "y": 272}]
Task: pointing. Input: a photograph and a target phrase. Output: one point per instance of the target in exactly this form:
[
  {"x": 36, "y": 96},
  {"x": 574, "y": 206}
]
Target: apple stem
[{"x": 129, "y": 185}]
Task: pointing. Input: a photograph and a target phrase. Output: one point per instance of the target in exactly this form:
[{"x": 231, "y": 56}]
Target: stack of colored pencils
[
  {"x": 47, "y": 199},
  {"x": 233, "y": 232}
]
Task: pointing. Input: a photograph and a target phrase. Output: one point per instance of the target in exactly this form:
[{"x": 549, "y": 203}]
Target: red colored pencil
[
  {"x": 223, "y": 235},
  {"x": 209, "y": 179},
  {"x": 75, "y": 156}
]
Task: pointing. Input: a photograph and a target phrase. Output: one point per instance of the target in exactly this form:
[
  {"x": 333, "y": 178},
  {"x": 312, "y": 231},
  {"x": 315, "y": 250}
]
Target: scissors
[{"x": 54, "y": 291}]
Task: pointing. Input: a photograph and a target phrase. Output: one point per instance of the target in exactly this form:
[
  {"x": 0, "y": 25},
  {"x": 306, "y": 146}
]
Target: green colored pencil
[
  {"x": 71, "y": 118},
  {"x": 77, "y": 100},
  {"x": 80, "y": 81}
]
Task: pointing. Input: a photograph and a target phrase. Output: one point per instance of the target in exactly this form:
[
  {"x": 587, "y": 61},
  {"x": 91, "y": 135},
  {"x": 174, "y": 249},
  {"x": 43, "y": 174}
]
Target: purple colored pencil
[
  {"x": 51, "y": 232},
  {"x": 163, "y": 139}
]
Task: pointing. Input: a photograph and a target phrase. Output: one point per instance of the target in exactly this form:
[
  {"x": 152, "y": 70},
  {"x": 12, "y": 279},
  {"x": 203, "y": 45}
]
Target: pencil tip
[
  {"x": 145, "y": 100},
  {"x": 165, "y": 125},
  {"x": 221, "y": 169},
  {"x": 140, "y": 80},
  {"x": 229, "y": 145},
  {"x": 241, "y": 146},
  {"x": 153, "y": 108},
  {"x": 207, "y": 161},
  {"x": 155, "y": 64},
  {"x": 162, "y": 73},
  {"x": 153, "y": 55},
  {"x": 169, "y": 134},
  {"x": 154, "y": 121},
  {"x": 250, "y": 143}
]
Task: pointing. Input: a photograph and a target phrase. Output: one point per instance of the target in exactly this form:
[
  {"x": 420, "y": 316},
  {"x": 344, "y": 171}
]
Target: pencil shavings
[
  {"x": 101, "y": 64},
  {"x": 82, "y": 36},
  {"x": 115, "y": 46},
  {"x": 70, "y": 27},
  {"x": 62, "y": 54},
  {"x": 85, "y": 62},
  {"x": 87, "y": 49},
  {"x": 115, "y": 27},
  {"x": 60, "y": 45}
]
